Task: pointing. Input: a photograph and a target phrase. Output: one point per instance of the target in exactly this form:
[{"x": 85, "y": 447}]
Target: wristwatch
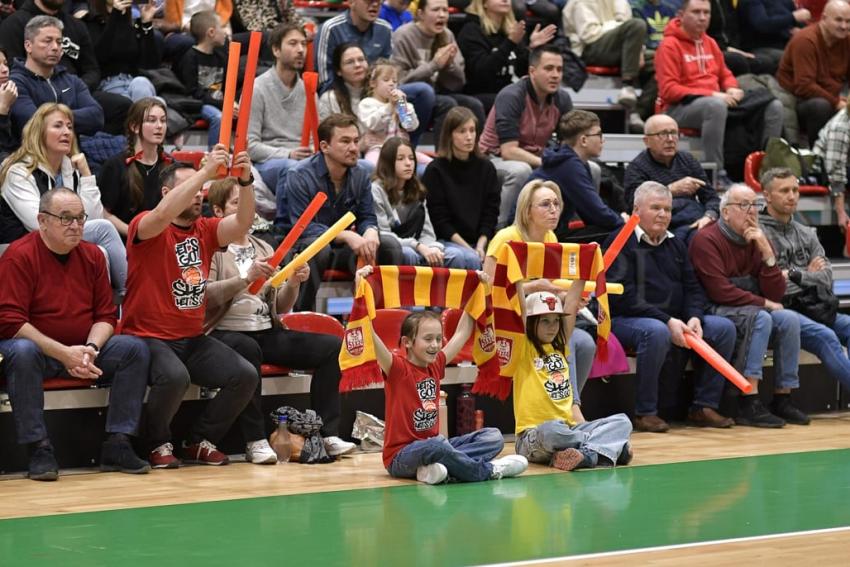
[
  {"x": 770, "y": 262},
  {"x": 245, "y": 183},
  {"x": 94, "y": 346}
]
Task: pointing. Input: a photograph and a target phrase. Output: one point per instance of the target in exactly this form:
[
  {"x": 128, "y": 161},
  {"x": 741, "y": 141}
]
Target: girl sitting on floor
[
  {"x": 413, "y": 447},
  {"x": 546, "y": 429}
]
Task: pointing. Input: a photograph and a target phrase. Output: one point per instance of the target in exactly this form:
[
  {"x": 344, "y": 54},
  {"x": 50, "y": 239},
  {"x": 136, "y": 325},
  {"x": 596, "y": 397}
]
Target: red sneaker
[
  {"x": 163, "y": 457},
  {"x": 204, "y": 453}
]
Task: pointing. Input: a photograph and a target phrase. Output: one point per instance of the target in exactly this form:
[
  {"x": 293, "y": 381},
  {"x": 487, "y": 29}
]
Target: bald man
[
  {"x": 737, "y": 267},
  {"x": 695, "y": 203},
  {"x": 815, "y": 66}
]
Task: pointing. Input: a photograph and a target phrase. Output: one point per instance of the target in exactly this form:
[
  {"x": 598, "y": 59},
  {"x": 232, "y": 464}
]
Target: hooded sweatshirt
[
  {"x": 688, "y": 68},
  {"x": 795, "y": 246},
  {"x": 564, "y": 167}
]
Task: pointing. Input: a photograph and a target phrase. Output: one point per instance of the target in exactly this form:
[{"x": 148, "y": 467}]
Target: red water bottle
[{"x": 465, "y": 411}]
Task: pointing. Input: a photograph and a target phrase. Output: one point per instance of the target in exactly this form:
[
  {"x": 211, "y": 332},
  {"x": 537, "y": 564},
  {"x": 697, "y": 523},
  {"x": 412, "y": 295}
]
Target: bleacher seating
[{"x": 752, "y": 165}]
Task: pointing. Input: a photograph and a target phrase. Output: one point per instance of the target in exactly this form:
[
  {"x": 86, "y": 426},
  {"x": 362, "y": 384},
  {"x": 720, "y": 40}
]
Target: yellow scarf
[
  {"x": 518, "y": 261},
  {"x": 404, "y": 286}
]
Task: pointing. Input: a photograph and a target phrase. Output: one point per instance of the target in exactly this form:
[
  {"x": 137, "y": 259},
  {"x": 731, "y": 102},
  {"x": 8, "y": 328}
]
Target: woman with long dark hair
[
  {"x": 463, "y": 190},
  {"x": 8, "y": 96},
  {"x": 351, "y": 74},
  {"x": 401, "y": 208},
  {"x": 130, "y": 181}
]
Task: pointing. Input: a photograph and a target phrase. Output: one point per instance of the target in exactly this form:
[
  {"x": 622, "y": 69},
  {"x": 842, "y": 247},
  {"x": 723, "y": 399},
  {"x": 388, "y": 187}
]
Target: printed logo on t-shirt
[
  {"x": 188, "y": 291},
  {"x": 558, "y": 383},
  {"x": 425, "y": 418}
]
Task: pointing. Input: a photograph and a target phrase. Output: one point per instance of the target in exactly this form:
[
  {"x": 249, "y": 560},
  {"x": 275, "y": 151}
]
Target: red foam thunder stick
[
  {"x": 241, "y": 142},
  {"x": 311, "y": 112},
  {"x": 230, "y": 80},
  {"x": 718, "y": 362},
  {"x": 292, "y": 236}
]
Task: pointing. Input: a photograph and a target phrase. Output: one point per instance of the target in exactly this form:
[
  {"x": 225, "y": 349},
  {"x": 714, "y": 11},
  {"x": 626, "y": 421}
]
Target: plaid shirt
[{"x": 832, "y": 145}]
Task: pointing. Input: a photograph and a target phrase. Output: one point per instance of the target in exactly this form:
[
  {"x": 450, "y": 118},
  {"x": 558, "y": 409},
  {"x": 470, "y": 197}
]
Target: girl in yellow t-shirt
[{"x": 546, "y": 430}]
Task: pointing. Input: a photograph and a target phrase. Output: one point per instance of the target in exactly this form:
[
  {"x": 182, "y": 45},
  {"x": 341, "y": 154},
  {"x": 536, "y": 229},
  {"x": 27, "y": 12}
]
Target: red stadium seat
[
  {"x": 273, "y": 370},
  {"x": 752, "y": 166},
  {"x": 603, "y": 71},
  {"x": 189, "y": 156},
  {"x": 450, "y": 319},
  {"x": 309, "y": 322},
  {"x": 387, "y": 325},
  {"x": 690, "y": 132},
  {"x": 337, "y": 276}
]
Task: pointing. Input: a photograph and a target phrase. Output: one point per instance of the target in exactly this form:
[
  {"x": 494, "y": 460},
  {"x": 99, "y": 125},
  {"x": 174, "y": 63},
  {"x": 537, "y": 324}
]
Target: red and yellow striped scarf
[
  {"x": 519, "y": 261},
  {"x": 404, "y": 286}
]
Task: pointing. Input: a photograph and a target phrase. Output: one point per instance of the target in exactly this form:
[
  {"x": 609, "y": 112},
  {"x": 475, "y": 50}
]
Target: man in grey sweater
[
  {"x": 800, "y": 255},
  {"x": 277, "y": 110}
]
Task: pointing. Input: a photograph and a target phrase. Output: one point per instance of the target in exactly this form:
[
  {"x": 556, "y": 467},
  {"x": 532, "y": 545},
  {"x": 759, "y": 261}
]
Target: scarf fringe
[
  {"x": 361, "y": 376},
  {"x": 498, "y": 387}
]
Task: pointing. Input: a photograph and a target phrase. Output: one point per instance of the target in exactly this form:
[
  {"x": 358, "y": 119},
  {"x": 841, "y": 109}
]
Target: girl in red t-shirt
[{"x": 413, "y": 447}]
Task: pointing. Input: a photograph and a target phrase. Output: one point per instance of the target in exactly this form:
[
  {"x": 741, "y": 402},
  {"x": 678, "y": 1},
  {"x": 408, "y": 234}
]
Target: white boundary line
[{"x": 670, "y": 547}]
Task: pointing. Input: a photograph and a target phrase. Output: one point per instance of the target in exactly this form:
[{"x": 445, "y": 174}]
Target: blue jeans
[
  {"x": 452, "y": 258},
  {"x": 124, "y": 360},
  {"x": 467, "y": 457},
  {"x": 606, "y": 436},
  {"x": 782, "y": 330},
  {"x": 463, "y": 257},
  {"x": 134, "y": 88},
  {"x": 826, "y": 344},
  {"x": 213, "y": 117},
  {"x": 104, "y": 234},
  {"x": 580, "y": 361},
  {"x": 423, "y": 99},
  {"x": 651, "y": 340}
]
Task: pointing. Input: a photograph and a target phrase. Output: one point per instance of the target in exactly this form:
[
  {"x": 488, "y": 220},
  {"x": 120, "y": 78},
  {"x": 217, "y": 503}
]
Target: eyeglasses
[
  {"x": 600, "y": 134},
  {"x": 669, "y": 134},
  {"x": 547, "y": 205},
  {"x": 747, "y": 207},
  {"x": 67, "y": 220}
]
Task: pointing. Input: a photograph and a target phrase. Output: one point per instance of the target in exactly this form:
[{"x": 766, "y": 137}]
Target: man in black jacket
[
  {"x": 662, "y": 302},
  {"x": 78, "y": 55}
]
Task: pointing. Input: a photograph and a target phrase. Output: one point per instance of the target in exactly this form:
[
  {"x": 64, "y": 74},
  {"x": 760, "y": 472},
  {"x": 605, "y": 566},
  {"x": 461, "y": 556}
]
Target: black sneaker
[
  {"x": 755, "y": 414},
  {"x": 626, "y": 455},
  {"x": 784, "y": 409},
  {"x": 118, "y": 456},
  {"x": 43, "y": 465}
]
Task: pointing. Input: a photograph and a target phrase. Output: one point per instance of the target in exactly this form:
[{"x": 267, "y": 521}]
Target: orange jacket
[{"x": 174, "y": 11}]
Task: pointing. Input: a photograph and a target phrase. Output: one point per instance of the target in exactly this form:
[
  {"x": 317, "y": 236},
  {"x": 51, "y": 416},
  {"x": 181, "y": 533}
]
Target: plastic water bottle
[
  {"x": 281, "y": 443},
  {"x": 404, "y": 117},
  {"x": 465, "y": 411}
]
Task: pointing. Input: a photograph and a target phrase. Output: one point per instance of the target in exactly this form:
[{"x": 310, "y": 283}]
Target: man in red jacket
[
  {"x": 815, "y": 66},
  {"x": 696, "y": 88},
  {"x": 736, "y": 265},
  {"x": 57, "y": 319}
]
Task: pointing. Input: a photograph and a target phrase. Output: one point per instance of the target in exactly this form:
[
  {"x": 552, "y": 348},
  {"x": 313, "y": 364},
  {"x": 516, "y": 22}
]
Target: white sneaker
[
  {"x": 636, "y": 123},
  {"x": 336, "y": 446},
  {"x": 627, "y": 97},
  {"x": 260, "y": 453},
  {"x": 508, "y": 466},
  {"x": 435, "y": 473}
]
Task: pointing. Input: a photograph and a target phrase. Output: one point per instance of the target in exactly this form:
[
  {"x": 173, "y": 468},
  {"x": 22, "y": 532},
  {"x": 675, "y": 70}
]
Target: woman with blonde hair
[
  {"x": 538, "y": 211},
  {"x": 494, "y": 39},
  {"x": 48, "y": 158}
]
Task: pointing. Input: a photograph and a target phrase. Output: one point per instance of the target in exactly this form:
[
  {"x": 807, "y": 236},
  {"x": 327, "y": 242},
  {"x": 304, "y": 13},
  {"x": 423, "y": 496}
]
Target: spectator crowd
[{"x": 124, "y": 265}]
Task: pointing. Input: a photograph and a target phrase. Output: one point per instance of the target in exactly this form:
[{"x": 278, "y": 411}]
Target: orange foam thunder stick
[
  {"x": 718, "y": 362},
  {"x": 241, "y": 142},
  {"x": 230, "y": 80}
]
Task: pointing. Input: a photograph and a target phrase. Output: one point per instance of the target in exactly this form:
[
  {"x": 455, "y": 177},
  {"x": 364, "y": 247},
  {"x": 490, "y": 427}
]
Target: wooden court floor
[{"x": 784, "y": 491}]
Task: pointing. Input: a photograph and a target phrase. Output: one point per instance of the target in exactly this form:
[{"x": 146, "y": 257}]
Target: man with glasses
[
  {"x": 580, "y": 134},
  {"x": 57, "y": 319},
  {"x": 662, "y": 302},
  {"x": 808, "y": 274},
  {"x": 738, "y": 269},
  {"x": 695, "y": 203}
]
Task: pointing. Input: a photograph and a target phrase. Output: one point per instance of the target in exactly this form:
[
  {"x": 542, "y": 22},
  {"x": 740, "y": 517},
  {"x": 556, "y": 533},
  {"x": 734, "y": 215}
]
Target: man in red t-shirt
[
  {"x": 169, "y": 252},
  {"x": 57, "y": 319}
]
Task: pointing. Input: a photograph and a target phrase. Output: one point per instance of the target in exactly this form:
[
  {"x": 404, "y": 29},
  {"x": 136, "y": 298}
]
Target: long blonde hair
[
  {"x": 476, "y": 8},
  {"x": 524, "y": 203},
  {"x": 32, "y": 151}
]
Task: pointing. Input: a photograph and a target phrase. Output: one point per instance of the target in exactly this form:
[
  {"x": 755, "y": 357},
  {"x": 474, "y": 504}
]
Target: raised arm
[
  {"x": 464, "y": 328},
  {"x": 233, "y": 227},
  {"x": 382, "y": 353},
  {"x": 180, "y": 197}
]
